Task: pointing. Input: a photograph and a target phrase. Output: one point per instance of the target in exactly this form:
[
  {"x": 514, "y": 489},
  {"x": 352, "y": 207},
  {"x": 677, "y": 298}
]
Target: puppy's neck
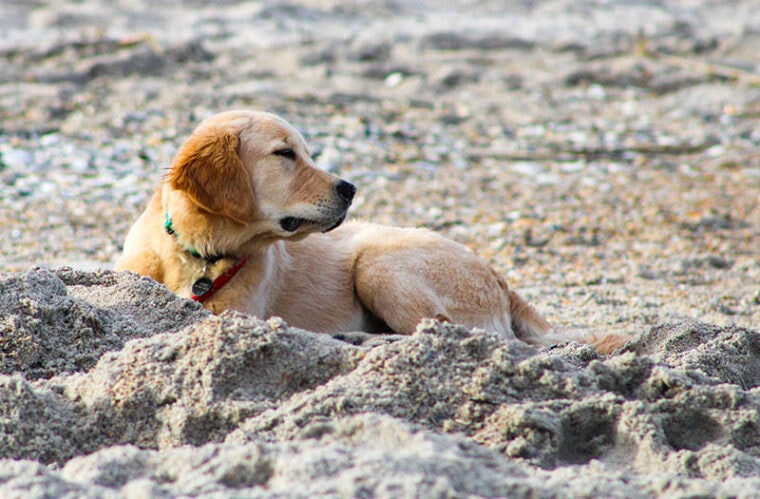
[
  {"x": 202, "y": 234},
  {"x": 209, "y": 258}
]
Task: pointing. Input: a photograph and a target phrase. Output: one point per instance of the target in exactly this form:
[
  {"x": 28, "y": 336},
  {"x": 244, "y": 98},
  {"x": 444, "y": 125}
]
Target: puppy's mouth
[
  {"x": 292, "y": 224},
  {"x": 336, "y": 224}
]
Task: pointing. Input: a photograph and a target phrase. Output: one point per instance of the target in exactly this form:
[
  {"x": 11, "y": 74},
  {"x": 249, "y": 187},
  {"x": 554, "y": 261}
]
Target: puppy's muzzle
[{"x": 345, "y": 192}]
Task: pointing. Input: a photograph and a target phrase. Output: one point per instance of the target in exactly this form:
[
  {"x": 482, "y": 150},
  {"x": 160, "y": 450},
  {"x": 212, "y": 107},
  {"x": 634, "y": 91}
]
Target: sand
[{"x": 232, "y": 405}]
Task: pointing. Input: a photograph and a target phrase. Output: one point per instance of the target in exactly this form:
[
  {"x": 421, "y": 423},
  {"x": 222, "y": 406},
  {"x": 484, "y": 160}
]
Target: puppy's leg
[
  {"x": 402, "y": 285},
  {"x": 397, "y": 295}
]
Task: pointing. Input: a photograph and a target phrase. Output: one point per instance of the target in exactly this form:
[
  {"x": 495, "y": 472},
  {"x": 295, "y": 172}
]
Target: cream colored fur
[{"x": 236, "y": 188}]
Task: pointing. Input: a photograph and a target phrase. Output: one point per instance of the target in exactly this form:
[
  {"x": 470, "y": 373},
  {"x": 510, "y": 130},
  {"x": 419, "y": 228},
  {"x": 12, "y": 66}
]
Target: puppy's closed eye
[{"x": 286, "y": 153}]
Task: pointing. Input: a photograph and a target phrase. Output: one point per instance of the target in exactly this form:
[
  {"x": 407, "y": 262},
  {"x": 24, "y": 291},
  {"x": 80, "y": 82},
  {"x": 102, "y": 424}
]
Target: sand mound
[
  {"x": 113, "y": 385},
  {"x": 730, "y": 354},
  {"x": 62, "y": 322}
]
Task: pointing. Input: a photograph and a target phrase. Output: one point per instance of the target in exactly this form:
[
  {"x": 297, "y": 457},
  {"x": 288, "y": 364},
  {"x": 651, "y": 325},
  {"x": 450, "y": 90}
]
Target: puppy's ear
[{"x": 210, "y": 171}]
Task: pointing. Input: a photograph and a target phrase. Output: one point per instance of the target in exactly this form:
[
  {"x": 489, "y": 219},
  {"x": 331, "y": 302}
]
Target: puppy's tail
[
  {"x": 530, "y": 327},
  {"x": 527, "y": 324}
]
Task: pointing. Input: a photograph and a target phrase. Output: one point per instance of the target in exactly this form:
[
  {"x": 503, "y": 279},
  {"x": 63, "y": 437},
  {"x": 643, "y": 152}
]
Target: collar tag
[
  {"x": 202, "y": 286},
  {"x": 216, "y": 285}
]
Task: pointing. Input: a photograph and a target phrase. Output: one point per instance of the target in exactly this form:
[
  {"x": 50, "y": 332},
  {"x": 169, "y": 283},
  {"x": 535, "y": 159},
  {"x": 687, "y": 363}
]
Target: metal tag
[{"x": 202, "y": 286}]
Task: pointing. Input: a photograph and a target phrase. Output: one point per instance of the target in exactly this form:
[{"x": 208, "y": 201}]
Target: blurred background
[{"x": 601, "y": 154}]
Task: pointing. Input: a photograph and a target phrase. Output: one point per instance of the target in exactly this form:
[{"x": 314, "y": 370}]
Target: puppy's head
[{"x": 255, "y": 169}]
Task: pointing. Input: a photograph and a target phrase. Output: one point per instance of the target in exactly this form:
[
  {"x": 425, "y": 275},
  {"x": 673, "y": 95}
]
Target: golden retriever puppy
[{"x": 244, "y": 220}]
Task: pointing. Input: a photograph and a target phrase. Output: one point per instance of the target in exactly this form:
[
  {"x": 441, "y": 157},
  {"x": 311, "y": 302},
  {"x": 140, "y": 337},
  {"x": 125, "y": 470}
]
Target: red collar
[{"x": 220, "y": 281}]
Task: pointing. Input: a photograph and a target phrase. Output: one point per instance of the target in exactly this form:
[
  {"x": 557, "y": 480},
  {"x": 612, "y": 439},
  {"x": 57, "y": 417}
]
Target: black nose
[{"x": 346, "y": 191}]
